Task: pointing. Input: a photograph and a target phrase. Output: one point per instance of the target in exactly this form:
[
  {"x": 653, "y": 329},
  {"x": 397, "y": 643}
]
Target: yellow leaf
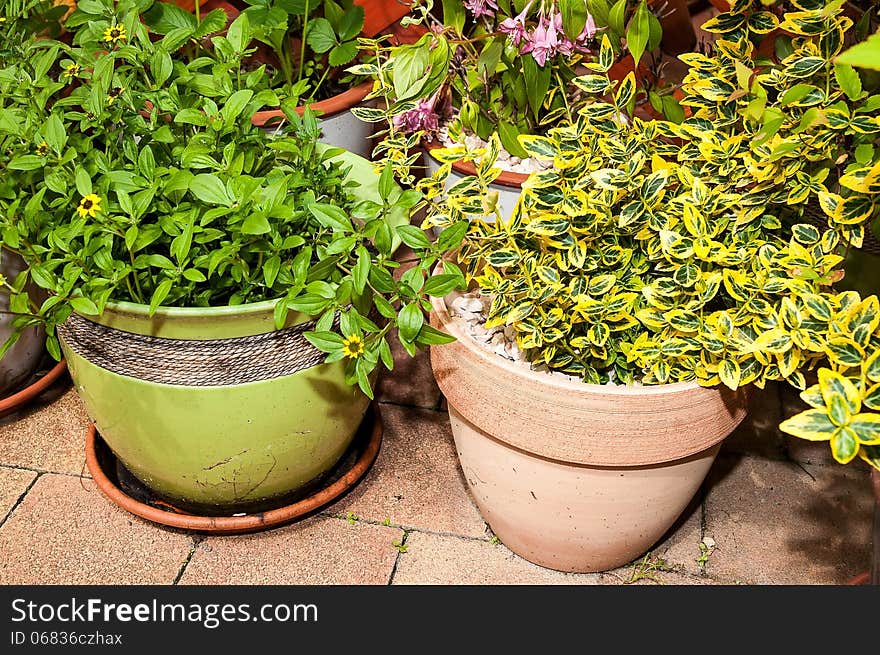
[
  {"x": 812, "y": 425},
  {"x": 832, "y": 383}
]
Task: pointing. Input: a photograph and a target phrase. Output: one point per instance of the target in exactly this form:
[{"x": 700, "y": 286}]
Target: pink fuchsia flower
[
  {"x": 422, "y": 117},
  {"x": 481, "y": 7},
  {"x": 568, "y": 47},
  {"x": 543, "y": 42},
  {"x": 515, "y": 28}
]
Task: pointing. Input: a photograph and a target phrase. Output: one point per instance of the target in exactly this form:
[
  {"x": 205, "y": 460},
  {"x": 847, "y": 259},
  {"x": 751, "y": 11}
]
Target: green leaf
[
  {"x": 638, "y": 32},
  {"x": 321, "y": 36},
  {"x": 429, "y": 336},
  {"x": 617, "y": 17},
  {"x": 164, "y": 17},
  {"x": 864, "y": 55},
  {"x": 83, "y": 181},
  {"x": 440, "y": 285},
  {"x": 331, "y": 216},
  {"x": 161, "y": 66},
  {"x": 410, "y": 321},
  {"x": 26, "y": 163},
  {"x": 239, "y": 33},
  {"x": 386, "y": 182},
  {"x": 352, "y": 22},
  {"x": 160, "y": 294},
  {"x": 270, "y": 270},
  {"x": 361, "y": 270},
  {"x": 83, "y": 305},
  {"x": 537, "y": 80},
  {"x": 235, "y": 105},
  {"x": 210, "y": 189},
  {"x": 508, "y": 133},
  {"x": 343, "y": 53},
  {"x": 326, "y": 342},
  {"x": 849, "y": 80},
  {"x": 414, "y": 237}
]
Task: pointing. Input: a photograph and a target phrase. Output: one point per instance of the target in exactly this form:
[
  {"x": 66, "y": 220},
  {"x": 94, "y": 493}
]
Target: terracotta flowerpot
[
  {"x": 570, "y": 476},
  {"x": 380, "y": 14},
  {"x": 678, "y": 30},
  {"x": 21, "y": 361},
  {"x": 341, "y": 128}
]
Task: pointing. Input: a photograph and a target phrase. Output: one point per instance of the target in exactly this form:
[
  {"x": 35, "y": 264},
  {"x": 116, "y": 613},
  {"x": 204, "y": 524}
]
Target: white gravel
[
  {"x": 506, "y": 161},
  {"x": 472, "y": 309}
]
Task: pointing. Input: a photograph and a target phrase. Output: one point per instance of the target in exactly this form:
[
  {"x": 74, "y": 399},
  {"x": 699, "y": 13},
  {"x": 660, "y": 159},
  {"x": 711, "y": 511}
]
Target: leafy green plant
[
  {"x": 311, "y": 39},
  {"x": 657, "y": 252},
  {"x": 130, "y": 175},
  {"x": 499, "y": 66}
]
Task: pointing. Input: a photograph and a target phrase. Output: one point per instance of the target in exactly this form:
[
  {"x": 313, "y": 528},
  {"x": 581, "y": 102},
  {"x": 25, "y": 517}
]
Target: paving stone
[
  {"x": 13, "y": 483},
  {"x": 774, "y": 523},
  {"x": 318, "y": 550},
  {"x": 759, "y": 434},
  {"x": 51, "y": 438},
  {"x": 624, "y": 576},
  {"x": 412, "y": 380},
  {"x": 680, "y": 547},
  {"x": 66, "y": 532},
  {"x": 445, "y": 560},
  {"x": 416, "y": 481}
]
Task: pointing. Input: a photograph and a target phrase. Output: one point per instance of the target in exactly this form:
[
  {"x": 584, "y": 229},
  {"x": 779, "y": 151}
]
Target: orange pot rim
[
  {"x": 21, "y": 398},
  {"x": 510, "y": 179},
  {"x": 237, "y": 524},
  {"x": 332, "y": 106}
]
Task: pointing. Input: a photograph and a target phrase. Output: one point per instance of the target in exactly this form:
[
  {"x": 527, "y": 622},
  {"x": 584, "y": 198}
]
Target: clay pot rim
[
  {"x": 249, "y": 522},
  {"x": 508, "y": 179},
  {"x": 490, "y": 359},
  {"x": 20, "y": 398},
  {"x": 337, "y": 104}
]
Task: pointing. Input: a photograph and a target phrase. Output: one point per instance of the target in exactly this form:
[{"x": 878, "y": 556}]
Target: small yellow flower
[
  {"x": 43, "y": 149},
  {"x": 114, "y": 34},
  {"x": 114, "y": 93},
  {"x": 71, "y": 71},
  {"x": 353, "y": 346},
  {"x": 89, "y": 206}
]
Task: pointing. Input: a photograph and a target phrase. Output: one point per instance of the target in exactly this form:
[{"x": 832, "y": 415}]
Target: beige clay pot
[{"x": 570, "y": 476}]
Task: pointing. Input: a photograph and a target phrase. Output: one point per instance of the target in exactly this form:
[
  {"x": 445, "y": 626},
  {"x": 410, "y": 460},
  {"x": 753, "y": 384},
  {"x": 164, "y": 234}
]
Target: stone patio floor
[{"x": 773, "y": 510}]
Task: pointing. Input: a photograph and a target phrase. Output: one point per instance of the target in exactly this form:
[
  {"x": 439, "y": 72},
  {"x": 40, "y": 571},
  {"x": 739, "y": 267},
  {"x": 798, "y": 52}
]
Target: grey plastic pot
[{"x": 21, "y": 361}]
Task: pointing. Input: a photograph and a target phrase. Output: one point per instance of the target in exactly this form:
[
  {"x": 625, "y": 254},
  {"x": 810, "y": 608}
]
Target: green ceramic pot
[
  {"x": 218, "y": 447},
  {"x": 225, "y": 447}
]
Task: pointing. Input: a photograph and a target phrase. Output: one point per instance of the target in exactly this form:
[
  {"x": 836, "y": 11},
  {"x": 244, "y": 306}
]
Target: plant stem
[{"x": 302, "y": 45}]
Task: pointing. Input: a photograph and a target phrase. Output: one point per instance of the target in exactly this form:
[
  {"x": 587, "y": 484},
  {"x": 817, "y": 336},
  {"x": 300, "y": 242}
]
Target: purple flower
[
  {"x": 589, "y": 30},
  {"x": 542, "y": 43},
  {"x": 515, "y": 28},
  {"x": 421, "y": 117},
  {"x": 481, "y": 7}
]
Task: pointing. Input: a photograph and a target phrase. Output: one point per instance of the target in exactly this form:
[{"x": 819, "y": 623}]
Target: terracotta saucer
[
  {"x": 121, "y": 487},
  {"x": 19, "y": 399}
]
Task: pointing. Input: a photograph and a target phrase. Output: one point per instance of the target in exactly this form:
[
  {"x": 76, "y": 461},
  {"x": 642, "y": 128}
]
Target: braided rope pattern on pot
[{"x": 191, "y": 363}]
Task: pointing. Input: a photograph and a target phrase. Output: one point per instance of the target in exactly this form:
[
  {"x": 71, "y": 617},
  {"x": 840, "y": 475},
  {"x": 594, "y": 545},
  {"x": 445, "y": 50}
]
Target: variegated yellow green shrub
[{"x": 703, "y": 251}]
